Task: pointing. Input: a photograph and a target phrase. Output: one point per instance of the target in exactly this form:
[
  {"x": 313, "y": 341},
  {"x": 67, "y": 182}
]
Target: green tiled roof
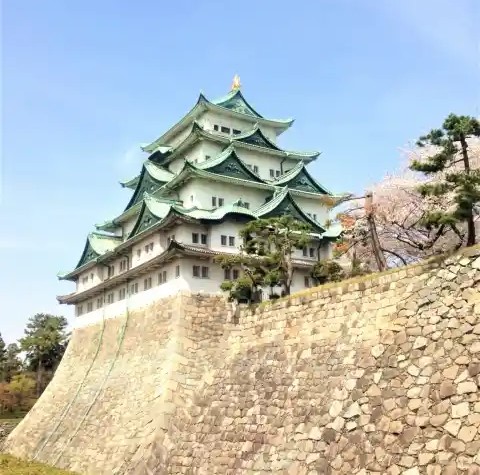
[
  {"x": 234, "y": 102},
  {"x": 229, "y": 163},
  {"x": 132, "y": 183},
  {"x": 151, "y": 178},
  {"x": 283, "y": 203},
  {"x": 333, "y": 231},
  {"x": 97, "y": 244},
  {"x": 299, "y": 178}
]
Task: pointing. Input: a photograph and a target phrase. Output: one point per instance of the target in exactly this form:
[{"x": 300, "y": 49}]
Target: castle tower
[{"x": 215, "y": 169}]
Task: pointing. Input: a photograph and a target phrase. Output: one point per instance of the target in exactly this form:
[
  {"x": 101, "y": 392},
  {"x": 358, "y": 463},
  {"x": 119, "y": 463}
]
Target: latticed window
[
  {"x": 204, "y": 272},
  {"x": 196, "y": 271},
  {"x": 203, "y": 239},
  {"x": 89, "y": 306},
  {"x": 177, "y": 271}
]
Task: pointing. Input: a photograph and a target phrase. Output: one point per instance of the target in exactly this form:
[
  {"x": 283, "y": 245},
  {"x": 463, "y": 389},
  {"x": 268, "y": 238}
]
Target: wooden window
[
  {"x": 177, "y": 271},
  {"x": 139, "y": 252},
  {"x": 89, "y": 306},
  {"x": 110, "y": 298},
  {"x": 79, "y": 310},
  {"x": 195, "y": 238},
  {"x": 111, "y": 271},
  {"x": 312, "y": 252},
  {"x": 255, "y": 168},
  {"x": 231, "y": 240},
  {"x": 223, "y": 240},
  {"x": 215, "y": 127},
  {"x": 122, "y": 293},
  {"x": 306, "y": 281},
  {"x": 204, "y": 272},
  {"x": 214, "y": 201},
  {"x": 305, "y": 252},
  {"x": 203, "y": 239},
  {"x": 235, "y": 274},
  {"x": 100, "y": 302},
  {"x": 196, "y": 271},
  {"x": 147, "y": 283},
  {"x": 134, "y": 288},
  {"x": 225, "y": 130},
  {"x": 220, "y": 201},
  {"x": 85, "y": 280},
  {"x": 246, "y": 204},
  {"x": 277, "y": 173},
  {"x": 236, "y": 132},
  {"x": 272, "y": 173},
  {"x": 227, "y": 274}
]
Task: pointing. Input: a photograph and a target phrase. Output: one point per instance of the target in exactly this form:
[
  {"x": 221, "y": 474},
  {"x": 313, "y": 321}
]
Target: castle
[{"x": 214, "y": 170}]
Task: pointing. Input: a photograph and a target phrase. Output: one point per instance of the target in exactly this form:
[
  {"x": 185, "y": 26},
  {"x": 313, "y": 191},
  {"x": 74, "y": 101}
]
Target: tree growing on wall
[
  {"x": 266, "y": 255},
  {"x": 451, "y": 163},
  {"x": 44, "y": 343}
]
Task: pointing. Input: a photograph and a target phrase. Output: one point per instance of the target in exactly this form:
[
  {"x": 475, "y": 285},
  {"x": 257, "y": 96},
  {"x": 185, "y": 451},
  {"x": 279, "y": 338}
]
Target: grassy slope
[{"x": 11, "y": 466}]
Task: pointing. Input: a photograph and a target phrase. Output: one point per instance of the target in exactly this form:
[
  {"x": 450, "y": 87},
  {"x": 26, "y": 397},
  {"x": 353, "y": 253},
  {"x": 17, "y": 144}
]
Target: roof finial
[{"x": 236, "y": 84}]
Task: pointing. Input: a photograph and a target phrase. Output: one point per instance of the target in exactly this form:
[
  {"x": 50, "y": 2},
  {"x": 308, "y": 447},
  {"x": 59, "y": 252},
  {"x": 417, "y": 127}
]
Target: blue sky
[{"x": 85, "y": 82}]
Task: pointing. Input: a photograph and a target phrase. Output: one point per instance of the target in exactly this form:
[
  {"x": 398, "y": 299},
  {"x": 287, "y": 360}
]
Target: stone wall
[{"x": 379, "y": 375}]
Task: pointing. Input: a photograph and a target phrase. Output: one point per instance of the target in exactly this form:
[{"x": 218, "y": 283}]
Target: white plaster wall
[
  {"x": 226, "y": 228},
  {"x": 158, "y": 248},
  {"x": 202, "y": 191},
  {"x": 265, "y": 162},
  {"x": 209, "y": 119},
  {"x": 97, "y": 274},
  {"x": 184, "y": 232},
  {"x": 195, "y": 284},
  {"x": 298, "y": 282},
  {"x": 204, "y": 148},
  {"x": 313, "y": 206}
]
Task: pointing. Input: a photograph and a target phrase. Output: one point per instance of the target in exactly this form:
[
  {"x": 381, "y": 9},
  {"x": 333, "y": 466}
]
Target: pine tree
[
  {"x": 451, "y": 168},
  {"x": 44, "y": 342}
]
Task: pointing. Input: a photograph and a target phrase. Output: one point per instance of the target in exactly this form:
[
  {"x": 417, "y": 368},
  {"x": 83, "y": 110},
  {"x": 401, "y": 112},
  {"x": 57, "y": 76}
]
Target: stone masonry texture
[{"x": 379, "y": 375}]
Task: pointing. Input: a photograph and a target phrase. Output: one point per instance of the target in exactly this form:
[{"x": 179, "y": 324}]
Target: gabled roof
[
  {"x": 234, "y": 104},
  {"x": 190, "y": 170},
  {"x": 299, "y": 178},
  {"x": 230, "y": 164},
  {"x": 96, "y": 245},
  {"x": 150, "y": 179},
  {"x": 283, "y": 203},
  {"x": 235, "y": 101}
]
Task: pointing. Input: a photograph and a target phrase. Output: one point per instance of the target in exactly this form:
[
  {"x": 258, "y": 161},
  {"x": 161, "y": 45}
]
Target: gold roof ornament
[{"x": 236, "y": 84}]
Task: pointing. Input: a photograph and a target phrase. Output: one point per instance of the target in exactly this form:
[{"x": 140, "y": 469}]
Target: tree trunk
[
  {"x": 375, "y": 242},
  {"x": 471, "y": 238}
]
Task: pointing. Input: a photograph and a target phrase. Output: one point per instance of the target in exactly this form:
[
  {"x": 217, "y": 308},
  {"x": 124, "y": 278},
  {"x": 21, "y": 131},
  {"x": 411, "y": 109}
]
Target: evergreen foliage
[
  {"x": 451, "y": 163},
  {"x": 266, "y": 255}
]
